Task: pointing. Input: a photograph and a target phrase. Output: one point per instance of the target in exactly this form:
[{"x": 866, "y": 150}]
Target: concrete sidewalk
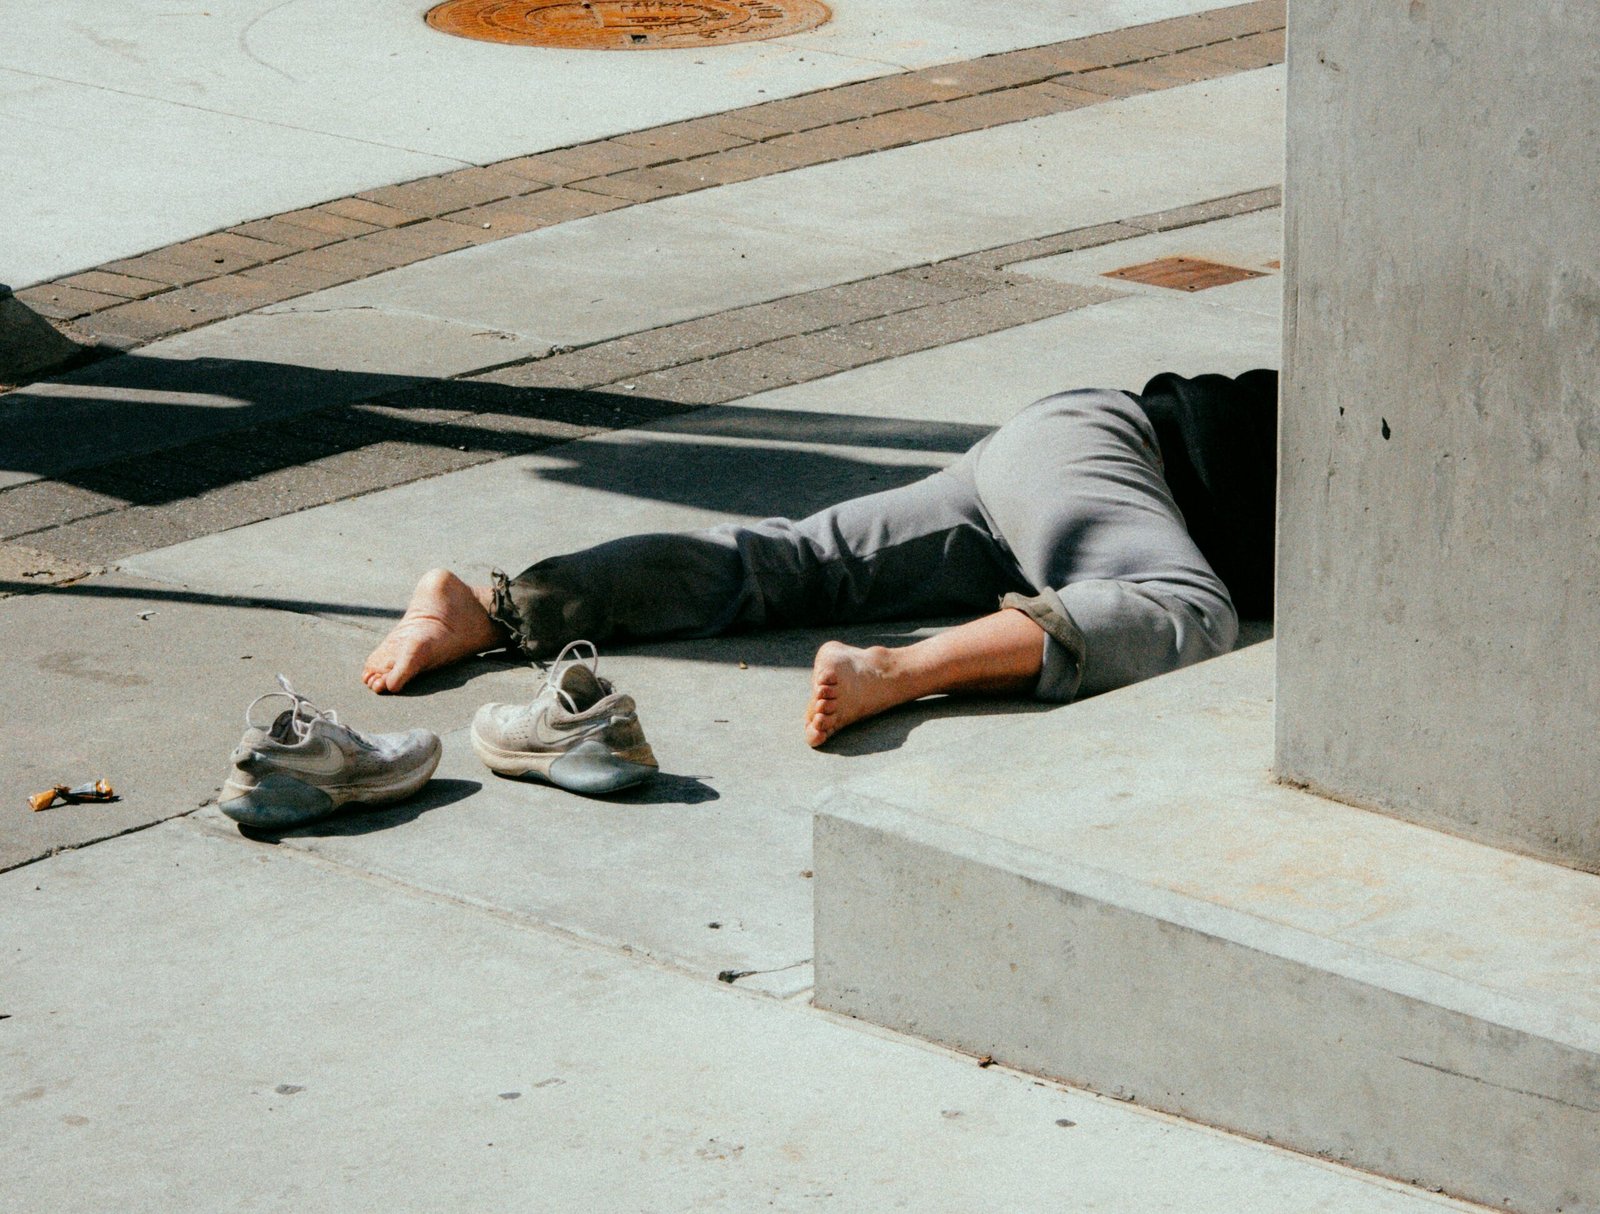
[
  {"x": 498, "y": 994},
  {"x": 252, "y": 107}
]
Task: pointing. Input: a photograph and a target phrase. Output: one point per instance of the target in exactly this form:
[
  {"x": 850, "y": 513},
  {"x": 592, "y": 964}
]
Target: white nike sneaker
[
  {"x": 579, "y": 733},
  {"x": 305, "y": 765}
]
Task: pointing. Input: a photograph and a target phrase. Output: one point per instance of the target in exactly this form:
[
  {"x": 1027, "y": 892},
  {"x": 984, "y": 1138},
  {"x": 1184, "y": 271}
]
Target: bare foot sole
[
  {"x": 446, "y": 620},
  {"x": 849, "y": 685}
]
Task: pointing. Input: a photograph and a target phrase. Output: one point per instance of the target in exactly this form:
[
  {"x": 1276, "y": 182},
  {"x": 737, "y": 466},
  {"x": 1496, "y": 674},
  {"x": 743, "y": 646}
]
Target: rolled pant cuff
[
  {"x": 503, "y": 611},
  {"x": 1065, "y": 649}
]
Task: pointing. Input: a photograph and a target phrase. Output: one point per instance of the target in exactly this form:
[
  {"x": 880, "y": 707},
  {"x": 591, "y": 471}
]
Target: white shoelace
[
  {"x": 559, "y": 667},
  {"x": 305, "y": 715}
]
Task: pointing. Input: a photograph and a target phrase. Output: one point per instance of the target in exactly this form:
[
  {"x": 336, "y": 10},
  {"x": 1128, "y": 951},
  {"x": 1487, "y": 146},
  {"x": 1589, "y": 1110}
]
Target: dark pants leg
[
  {"x": 1063, "y": 510},
  {"x": 922, "y": 550}
]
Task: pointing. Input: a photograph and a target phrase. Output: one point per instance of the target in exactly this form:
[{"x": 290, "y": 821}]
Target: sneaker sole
[
  {"x": 589, "y": 767},
  {"x": 281, "y": 802}
]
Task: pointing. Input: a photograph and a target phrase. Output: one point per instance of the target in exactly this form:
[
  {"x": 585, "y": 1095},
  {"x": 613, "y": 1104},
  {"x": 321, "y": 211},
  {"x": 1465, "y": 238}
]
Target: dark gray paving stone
[
  {"x": 33, "y": 505},
  {"x": 135, "y": 403}
]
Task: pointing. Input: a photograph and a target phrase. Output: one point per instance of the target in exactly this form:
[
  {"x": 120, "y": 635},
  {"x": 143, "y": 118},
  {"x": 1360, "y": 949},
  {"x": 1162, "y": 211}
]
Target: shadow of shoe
[
  {"x": 660, "y": 789},
  {"x": 357, "y": 819},
  {"x": 459, "y": 674},
  {"x": 665, "y": 789}
]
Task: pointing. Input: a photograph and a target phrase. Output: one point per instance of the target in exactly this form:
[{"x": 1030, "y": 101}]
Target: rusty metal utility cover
[
  {"x": 1184, "y": 273},
  {"x": 625, "y": 25}
]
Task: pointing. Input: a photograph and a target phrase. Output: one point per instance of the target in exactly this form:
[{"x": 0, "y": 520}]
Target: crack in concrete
[
  {"x": 732, "y": 976},
  {"x": 1444, "y": 1070},
  {"x": 244, "y": 40}
]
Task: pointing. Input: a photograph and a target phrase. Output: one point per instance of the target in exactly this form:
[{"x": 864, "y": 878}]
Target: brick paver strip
[
  {"x": 158, "y": 269},
  {"x": 512, "y": 196},
  {"x": 99, "y": 514},
  {"x": 288, "y": 235},
  {"x": 329, "y": 222},
  {"x": 735, "y": 164},
  {"x": 364, "y": 210},
  {"x": 643, "y": 185},
  {"x": 120, "y": 285},
  {"x": 533, "y": 211},
  {"x": 60, "y": 302},
  {"x": 996, "y": 109},
  {"x": 682, "y": 140}
]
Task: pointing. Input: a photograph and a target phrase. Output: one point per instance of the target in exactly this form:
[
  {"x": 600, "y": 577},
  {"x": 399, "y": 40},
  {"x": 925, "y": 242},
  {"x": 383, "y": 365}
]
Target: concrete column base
[{"x": 1117, "y": 894}]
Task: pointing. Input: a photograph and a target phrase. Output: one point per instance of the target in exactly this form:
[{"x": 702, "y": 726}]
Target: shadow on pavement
[
  {"x": 663, "y": 788},
  {"x": 149, "y": 430},
  {"x": 358, "y": 821},
  {"x": 892, "y": 730},
  {"x": 777, "y": 481},
  {"x": 668, "y": 789},
  {"x": 154, "y": 594},
  {"x": 785, "y": 649}
]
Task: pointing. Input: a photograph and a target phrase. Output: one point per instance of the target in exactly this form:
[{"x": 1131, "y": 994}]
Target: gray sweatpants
[{"x": 1061, "y": 513}]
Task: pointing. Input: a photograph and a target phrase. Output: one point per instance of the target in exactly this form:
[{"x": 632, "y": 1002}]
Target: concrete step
[
  {"x": 198, "y": 1023},
  {"x": 1119, "y": 895}
]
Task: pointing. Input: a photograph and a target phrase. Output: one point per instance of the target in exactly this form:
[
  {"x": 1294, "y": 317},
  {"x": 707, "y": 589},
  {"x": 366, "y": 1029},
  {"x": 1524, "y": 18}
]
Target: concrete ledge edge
[{"x": 1297, "y": 947}]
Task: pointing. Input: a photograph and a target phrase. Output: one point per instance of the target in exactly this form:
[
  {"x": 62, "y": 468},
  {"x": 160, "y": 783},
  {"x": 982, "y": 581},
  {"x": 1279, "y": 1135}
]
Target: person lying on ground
[{"x": 1104, "y": 536}]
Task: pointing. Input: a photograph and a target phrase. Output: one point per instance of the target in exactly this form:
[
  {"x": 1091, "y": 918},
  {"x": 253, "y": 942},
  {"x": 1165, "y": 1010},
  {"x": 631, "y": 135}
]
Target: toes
[
  {"x": 821, "y": 722},
  {"x": 379, "y": 663}
]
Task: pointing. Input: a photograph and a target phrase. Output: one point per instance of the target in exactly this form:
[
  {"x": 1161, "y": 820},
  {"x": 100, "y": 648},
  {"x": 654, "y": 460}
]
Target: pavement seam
[
  {"x": 53, "y": 852},
  {"x": 519, "y": 406},
  {"x": 241, "y": 268}
]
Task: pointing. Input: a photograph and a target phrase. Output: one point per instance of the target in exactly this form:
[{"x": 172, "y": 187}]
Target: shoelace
[
  {"x": 559, "y": 667},
  {"x": 305, "y": 715}
]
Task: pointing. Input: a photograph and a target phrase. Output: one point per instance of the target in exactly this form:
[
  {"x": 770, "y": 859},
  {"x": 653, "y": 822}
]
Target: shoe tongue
[
  {"x": 580, "y": 683},
  {"x": 282, "y": 729}
]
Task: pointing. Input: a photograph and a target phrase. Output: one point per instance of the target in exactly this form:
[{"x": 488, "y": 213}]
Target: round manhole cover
[{"x": 625, "y": 25}]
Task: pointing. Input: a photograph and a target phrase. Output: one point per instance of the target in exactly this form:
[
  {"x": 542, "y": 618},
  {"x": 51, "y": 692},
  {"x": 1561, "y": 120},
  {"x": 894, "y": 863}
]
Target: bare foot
[
  {"x": 850, "y": 684},
  {"x": 446, "y": 620}
]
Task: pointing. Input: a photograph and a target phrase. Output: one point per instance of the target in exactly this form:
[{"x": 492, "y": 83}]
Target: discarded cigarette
[
  {"x": 45, "y": 799},
  {"x": 94, "y": 790}
]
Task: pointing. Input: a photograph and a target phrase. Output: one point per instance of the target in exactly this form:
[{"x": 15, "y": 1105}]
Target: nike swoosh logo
[
  {"x": 324, "y": 760},
  {"x": 548, "y": 736}
]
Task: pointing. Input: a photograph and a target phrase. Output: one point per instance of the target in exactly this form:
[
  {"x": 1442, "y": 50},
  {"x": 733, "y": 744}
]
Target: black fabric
[{"x": 1219, "y": 445}]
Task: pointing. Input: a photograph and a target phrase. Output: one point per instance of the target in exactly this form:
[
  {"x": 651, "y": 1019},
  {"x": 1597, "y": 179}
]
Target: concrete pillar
[{"x": 1439, "y": 513}]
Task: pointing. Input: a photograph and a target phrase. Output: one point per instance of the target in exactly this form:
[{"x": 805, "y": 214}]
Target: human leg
[
  {"x": 997, "y": 654},
  {"x": 445, "y": 621},
  {"x": 1074, "y": 487},
  {"x": 922, "y": 549}
]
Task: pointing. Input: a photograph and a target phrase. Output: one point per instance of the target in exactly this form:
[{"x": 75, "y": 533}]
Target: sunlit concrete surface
[{"x": 137, "y": 124}]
